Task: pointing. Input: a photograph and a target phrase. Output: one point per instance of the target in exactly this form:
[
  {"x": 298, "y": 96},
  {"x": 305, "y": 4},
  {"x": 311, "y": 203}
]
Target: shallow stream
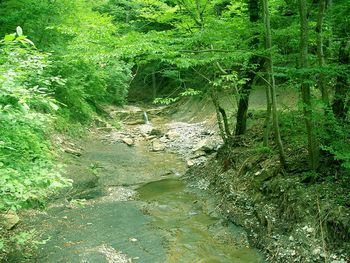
[{"x": 130, "y": 205}]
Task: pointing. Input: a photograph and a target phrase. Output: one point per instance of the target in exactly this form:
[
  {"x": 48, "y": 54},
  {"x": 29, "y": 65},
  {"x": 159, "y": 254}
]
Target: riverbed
[{"x": 131, "y": 204}]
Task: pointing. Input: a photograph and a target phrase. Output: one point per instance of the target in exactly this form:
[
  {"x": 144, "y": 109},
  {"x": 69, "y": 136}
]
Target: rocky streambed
[{"x": 130, "y": 204}]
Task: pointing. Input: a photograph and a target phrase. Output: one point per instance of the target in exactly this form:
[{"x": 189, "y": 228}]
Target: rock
[
  {"x": 128, "y": 141},
  {"x": 108, "y": 128},
  {"x": 172, "y": 135},
  {"x": 100, "y": 123},
  {"x": 208, "y": 132},
  {"x": 199, "y": 153},
  {"x": 73, "y": 151},
  {"x": 9, "y": 220},
  {"x": 206, "y": 145},
  {"x": 157, "y": 146},
  {"x": 145, "y": 129},
  {"x": 156, "y": 132},
  {"x": 150, "y": 137},
  {"x": 137, "y": 122},
  {"x": 164, "y": 139},
  {"x": 190, "y": 163}
]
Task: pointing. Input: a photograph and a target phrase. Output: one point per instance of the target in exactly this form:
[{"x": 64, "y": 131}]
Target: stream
[{"x": 129, "y": 204}]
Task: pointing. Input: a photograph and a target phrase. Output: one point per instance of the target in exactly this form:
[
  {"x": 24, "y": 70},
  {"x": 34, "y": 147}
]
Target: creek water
[{"x": 130, "y": 205}]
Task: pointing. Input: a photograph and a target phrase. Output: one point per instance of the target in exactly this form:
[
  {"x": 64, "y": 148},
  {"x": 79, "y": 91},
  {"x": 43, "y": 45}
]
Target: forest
[{"x": 271, "y": 77}]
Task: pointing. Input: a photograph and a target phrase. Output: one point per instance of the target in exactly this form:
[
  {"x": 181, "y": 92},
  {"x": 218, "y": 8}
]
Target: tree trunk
[
  {"x": 320, "y": 53},
  {"x": 221, "y": 117},
  {"x": 243, "y": 104},
  {"x": 305, "y": 87},
  {"x": 267, "y": 125},
  {"x": 272, "y": 85}
]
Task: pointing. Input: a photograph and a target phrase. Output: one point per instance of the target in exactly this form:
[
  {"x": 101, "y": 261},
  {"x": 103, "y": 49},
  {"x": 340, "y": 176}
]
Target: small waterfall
[{"x": 145, "y": 117}]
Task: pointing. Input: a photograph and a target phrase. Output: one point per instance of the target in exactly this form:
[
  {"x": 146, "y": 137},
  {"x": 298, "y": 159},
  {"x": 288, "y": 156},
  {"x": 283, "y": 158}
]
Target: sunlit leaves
[
  {"x": 26, "y": 171},
  {"x": 19, "y": 31}
]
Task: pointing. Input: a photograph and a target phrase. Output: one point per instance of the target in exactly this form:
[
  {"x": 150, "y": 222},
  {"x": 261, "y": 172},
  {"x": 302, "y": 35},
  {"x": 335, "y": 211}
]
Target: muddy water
[
  {"x": 194, "y": 236},
  {"x": 130, "y": 205}
]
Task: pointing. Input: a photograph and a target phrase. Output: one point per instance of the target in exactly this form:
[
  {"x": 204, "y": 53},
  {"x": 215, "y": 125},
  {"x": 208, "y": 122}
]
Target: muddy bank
[{"x": 279, "y": 210}]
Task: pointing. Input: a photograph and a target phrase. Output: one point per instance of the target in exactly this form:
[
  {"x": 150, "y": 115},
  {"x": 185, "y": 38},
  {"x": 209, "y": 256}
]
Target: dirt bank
[{"x": 286, "y": 214}]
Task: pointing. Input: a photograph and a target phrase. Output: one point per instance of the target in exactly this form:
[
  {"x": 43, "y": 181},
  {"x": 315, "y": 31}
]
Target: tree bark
[
  {"x": 305, "y": 87},
  {"x": 243, "y": 104},
  {"x": 272, "y": 85},
  {"x": 320, "y": 53},
  {"x": 267, "y": 124},
  {"x": 221, "y": 117}
]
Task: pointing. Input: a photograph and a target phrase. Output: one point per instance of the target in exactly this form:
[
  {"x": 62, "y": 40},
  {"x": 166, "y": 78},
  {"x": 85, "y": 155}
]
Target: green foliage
[
  {"x": 335, "y": 139},
  {"x": 165, "y": 101},
  {"x": 28, "y": 173},
  {"x": 82, "y": 46}
]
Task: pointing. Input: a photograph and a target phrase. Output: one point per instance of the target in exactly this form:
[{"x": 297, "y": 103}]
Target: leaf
[
  {"x": 19, "y": 31},
  {"x": 9, "y": 38},
  {"x": 54, "y": 106},
  {"x": 28, "y": 41},
  {"x": 21, "y": 38}
]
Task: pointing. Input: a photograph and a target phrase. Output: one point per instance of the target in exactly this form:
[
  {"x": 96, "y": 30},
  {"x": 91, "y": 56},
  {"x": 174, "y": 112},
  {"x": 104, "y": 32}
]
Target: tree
[
  {"x": 243, "y": 104},
  {"x": 305, "y": 86},
  {"x": 272, "y": 84},
  {"x": 320, "y": 52}
]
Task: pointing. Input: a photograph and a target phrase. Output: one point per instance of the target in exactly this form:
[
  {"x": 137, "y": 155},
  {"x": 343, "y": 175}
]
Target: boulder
[
  {"x": 73, "y": 151},
  {"x": 9, "y": 220},
  {"x": 206, "y": 145},
  {"x": 190, "y": 163},
  {"x": 164, "y": 139},
  {"x": 146, "y": 129},
  {"x": 172, "y": 135},
  {"x": 128, "y": 141},
  {"x": 199, "y": 153},
  {"x": 157, "y": 146},
  {"x": 156, "y": 132}
]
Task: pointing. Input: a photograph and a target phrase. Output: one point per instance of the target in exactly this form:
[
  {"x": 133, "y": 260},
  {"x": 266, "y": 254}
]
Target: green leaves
[
  {"x": 26, "y": 170},
  {"x": 19, "y": 31},
  {"x": 10, "y": 38},
  {"x": 17, "y": 37}
]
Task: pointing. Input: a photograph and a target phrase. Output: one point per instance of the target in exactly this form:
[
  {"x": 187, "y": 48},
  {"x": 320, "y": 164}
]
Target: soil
[{"x": 289, "y": 216}]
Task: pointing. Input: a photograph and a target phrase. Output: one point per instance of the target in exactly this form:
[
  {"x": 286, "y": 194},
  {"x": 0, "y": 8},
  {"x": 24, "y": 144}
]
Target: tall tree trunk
[
  {"x": 272, "y": 85},
  {"x": 243, "y": 104},
  {"x": 341, "y": 87},
  {"x": 305, "y": 87},
  {"x": 221, "y": 117},
  {"x": 267, "y": 124},
  {"x": 320, "y": 53}
]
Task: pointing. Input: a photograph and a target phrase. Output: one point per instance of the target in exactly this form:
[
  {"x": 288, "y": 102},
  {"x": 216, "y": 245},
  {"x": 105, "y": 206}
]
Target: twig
[{"x": 321, "y": 229}]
